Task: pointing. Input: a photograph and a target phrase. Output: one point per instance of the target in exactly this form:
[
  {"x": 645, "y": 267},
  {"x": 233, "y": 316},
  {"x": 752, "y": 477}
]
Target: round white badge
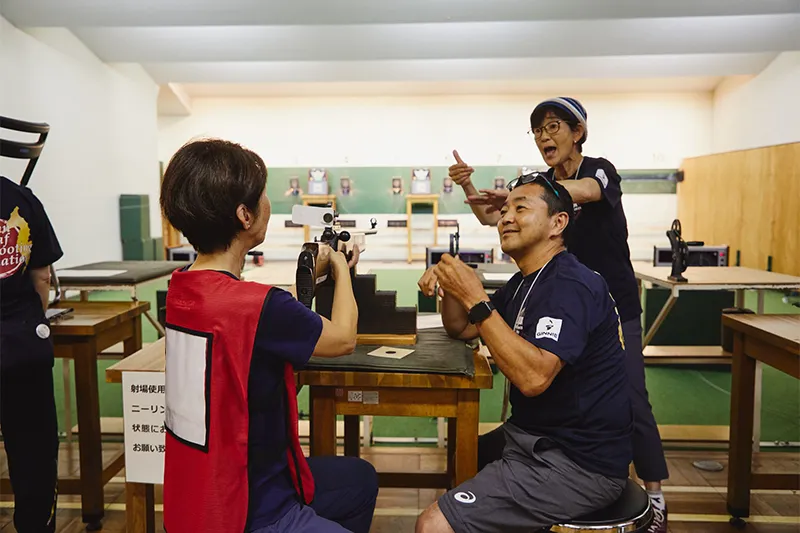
[{"x": 43, "y": 331}]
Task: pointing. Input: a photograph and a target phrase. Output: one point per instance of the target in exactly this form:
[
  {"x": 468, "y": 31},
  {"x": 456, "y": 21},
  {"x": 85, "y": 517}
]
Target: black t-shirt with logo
[
  {"x": 566, "y": 309},
  {"x": 27, "y": 242},
  {"x": 599, "y": 237}
]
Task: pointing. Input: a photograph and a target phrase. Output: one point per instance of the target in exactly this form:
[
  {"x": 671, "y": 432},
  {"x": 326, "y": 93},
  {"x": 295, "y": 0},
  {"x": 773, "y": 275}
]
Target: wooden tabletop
[
  {"x": 782, "y": 331},
  {"x": 339, "y": 378},
  {"x": 91, "y": 318},
  {"x": 726, "y": 277},
  {"x": 151, "y": 359}
]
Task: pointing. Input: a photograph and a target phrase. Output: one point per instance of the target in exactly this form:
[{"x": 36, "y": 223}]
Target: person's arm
[
  {"x": 583, "y": 191},
  {"x": 41, "y": 282},
  {"x": 455, "y": 319},
  {"x": 454, "y": 316},
  {"x": 485, "y": 213},
  {"x": 46, "y": 250},
  {"x": 602, "y": 184},
  {"x": 530, "y": 368},
  {"x": 289, "y": 330},
  {"x": 339, "y": 333},
  {"x": 460, "y": 173}
]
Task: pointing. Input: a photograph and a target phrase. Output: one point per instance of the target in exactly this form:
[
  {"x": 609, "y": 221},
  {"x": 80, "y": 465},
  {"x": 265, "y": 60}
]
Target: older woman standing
[{"x": 600, "y": 241}]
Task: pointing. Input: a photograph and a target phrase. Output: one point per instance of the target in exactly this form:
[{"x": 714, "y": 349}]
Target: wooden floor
[{"x": 696, "y": 499}]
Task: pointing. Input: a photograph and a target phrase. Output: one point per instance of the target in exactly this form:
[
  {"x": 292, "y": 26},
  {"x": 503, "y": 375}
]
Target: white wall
[
  {"x": 634, "y": 131},
  {"x": 103, "y": 139},
  {"x": 764, "y": 110}
]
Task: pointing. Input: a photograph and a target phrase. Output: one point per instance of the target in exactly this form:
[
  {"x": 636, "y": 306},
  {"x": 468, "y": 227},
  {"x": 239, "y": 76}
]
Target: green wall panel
[{"x": 371, "y": 187}]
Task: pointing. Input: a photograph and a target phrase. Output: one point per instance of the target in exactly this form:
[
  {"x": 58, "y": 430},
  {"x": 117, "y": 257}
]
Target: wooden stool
[
  {"x": 422, "y": 199},
  {"x": 317, "y": 199},
  {"x": 631, "y": 513}
]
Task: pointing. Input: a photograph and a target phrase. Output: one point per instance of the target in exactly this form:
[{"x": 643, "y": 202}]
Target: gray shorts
[{"x": 534, "y": 485}]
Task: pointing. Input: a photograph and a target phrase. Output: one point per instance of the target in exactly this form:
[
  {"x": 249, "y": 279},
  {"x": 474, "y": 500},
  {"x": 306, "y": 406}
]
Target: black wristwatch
[{"x": 480, "y": 312}]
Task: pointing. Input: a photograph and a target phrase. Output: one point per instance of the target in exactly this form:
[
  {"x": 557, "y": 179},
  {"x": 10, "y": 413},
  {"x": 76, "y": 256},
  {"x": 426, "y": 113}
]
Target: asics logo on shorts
[{"x": 464, "y": 497}]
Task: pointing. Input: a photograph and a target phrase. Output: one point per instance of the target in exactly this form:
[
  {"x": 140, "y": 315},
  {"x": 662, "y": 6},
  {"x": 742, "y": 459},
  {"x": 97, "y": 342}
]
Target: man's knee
[{"x": 433, "y": 521}]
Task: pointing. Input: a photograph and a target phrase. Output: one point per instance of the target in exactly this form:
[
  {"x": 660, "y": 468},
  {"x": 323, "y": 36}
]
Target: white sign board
[{"x": 143, "y": 412}]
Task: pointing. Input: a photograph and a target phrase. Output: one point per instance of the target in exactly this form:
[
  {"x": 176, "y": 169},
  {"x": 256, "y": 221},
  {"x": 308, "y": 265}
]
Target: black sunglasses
[{"x": 533, "y": 177}]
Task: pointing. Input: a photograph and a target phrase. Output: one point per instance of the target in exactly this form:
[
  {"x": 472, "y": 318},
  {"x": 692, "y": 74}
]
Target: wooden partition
[{"x": 749, "y": 200}]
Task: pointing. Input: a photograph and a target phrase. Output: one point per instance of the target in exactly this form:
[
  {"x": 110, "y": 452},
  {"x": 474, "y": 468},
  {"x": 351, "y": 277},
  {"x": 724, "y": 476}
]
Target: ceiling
[{"x": 276, "y": 47}]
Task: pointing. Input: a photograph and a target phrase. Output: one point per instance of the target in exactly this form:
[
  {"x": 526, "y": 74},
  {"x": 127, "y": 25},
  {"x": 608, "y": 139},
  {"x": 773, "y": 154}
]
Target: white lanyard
[{"x": 521, "y": 312}]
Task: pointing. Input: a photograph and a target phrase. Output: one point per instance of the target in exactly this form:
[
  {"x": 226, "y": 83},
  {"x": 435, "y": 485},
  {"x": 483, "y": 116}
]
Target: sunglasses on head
[{"x": 534, "y": 177}]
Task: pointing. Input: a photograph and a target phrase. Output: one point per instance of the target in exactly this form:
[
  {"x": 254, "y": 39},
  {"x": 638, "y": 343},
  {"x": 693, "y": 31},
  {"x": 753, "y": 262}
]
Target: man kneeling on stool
[{"x": 554, "y": 332}]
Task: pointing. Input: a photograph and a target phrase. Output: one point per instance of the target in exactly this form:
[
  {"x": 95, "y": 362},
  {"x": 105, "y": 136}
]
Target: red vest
[{"x": 212, "y": 320}]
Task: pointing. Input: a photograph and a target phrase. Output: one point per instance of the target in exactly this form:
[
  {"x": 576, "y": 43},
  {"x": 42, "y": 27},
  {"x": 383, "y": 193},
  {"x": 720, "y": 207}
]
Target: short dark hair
[
  {"x": 537, "y": 117},
  {"x": 557, "y": 204},
  {"x": 204, "y": 184}
]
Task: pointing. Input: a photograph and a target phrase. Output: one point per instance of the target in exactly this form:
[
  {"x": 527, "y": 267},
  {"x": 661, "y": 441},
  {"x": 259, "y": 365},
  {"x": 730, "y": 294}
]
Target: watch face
[{"x": 480, "y": 312}]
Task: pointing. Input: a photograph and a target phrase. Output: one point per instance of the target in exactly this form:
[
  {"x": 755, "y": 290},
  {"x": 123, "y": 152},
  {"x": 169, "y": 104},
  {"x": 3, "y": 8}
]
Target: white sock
[{"x": 657, "y": 500}]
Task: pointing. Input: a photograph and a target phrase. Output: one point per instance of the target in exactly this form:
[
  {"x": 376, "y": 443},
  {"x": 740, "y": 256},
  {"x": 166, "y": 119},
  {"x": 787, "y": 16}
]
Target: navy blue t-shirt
[
  {"x": 586, "y": 410},
  {"x": 287, "y": 331},
  {"x": 598, "y": 236},
  {"x": 27, "y": 242}
]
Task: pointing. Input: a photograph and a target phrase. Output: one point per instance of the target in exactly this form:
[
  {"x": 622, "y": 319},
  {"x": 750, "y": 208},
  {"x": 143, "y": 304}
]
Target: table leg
[
  {"x": 435, "y": 223},
  {"x": 466, "y": 455},
  {"x": 452, "y": 443},
  {"x": 352, "y": 439},
  {"x": 139, "y": 508},
  {"x": 367, "y": 431},
  {"x": 757, "y": 393},
  {"x": 659, "y": 319},
  {"x": 740, "y": 454},
  {"x": 89, "y": 441},
  {"x": 134, "y": 344},
  {"x": 408, "y": 226},
  {"x": 66, "y": 375},
  {"x": 323, "y": 421}
]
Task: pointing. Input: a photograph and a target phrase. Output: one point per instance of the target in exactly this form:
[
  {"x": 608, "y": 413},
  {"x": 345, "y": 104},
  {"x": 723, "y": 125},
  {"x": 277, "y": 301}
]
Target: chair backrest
[{"x": 23, "y": 150}]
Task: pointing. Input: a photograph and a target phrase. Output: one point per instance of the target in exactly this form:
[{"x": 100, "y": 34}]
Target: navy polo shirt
[
  {"x": 586, "y": 410},
  {"x": 287, "y": 331},
  {"x": 599, "y": 236}
]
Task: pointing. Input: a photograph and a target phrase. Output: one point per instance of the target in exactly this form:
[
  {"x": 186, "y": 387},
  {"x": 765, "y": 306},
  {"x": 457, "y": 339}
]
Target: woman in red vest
[{"x": 233, "y": 460}]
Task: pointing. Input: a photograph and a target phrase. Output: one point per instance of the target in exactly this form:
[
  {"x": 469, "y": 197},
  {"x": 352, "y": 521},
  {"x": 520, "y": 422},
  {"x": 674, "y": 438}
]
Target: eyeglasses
[
  {"x": 533, "y": 177},
  {"x": 551, "y": 128}
]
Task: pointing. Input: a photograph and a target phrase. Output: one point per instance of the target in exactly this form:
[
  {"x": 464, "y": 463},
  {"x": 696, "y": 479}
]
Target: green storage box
[
  {"x": 134, "y": 217},
  {"x": 158, "y": 249},
  {"x": 137, "y": 250}
]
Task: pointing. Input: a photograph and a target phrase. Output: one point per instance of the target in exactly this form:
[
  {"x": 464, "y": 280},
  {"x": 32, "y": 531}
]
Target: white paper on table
[
  {"x": 143, "y": 401},
  {"x": 498, "y": 276},
  {"x": 429, "y": 321},
  {"x": 88, "y": 273},
  {"x": 390, "y": 352}
]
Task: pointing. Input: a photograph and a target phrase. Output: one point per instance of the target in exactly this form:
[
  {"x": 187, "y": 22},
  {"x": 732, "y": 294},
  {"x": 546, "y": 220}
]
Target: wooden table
[
  {"x": 773, "y": 340},
  {"x": 737, "y": 279},
  {"x": 422, "y": 199},
  {"x": 400, "y": 394},
  {"x": 80, "y": 336},
  {"x": 133, "y": 274}
]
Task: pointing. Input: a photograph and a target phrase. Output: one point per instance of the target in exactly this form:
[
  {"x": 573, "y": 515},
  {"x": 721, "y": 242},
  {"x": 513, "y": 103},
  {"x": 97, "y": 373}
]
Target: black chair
[{"x": 631, "y": 513}]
